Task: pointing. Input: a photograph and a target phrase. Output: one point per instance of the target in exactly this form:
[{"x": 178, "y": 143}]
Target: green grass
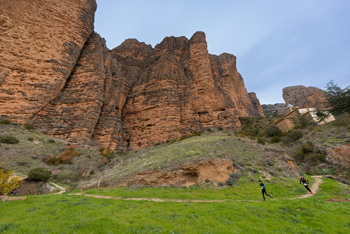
[
  {"x": 77, "y": 214},
  {"x": 208, "y": 146},
  {"x": 243, "y": 190}
]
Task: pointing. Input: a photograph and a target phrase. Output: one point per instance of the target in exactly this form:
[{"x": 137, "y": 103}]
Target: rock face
[
  {"x": 178, "y": 88},
  {"x": 57, "y": 74},
  {"x": 40, "y": 44},
  {"x": 217, "y": 171},
  {"x": 304, "y": 97},
  {"x": 271, "y": 110}
]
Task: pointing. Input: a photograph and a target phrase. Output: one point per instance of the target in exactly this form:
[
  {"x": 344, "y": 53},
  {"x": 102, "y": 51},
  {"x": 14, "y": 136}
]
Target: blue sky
[{"x": 277, "y": 43}]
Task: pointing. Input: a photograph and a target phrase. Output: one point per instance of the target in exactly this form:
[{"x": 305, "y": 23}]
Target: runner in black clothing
[
  {"x": 305, "y": 183},
  {"x": 263, "y": 190}
]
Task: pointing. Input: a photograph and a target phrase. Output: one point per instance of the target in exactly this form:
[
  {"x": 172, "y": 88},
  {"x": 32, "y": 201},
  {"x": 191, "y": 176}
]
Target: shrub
[
  {"x": 65, "y": 158},
  {"x": 28, "y": 126},
  {"x": 292, "y": 137},
  {"x": 295, "y": 135},
  {"x": 8, "y": 139},
  {"x": 235, "y": 176},
  {"x": 315, "y": 157},
  {"x": 67, "y": 175},
  {"x": 5, "y": 121},
  {"x": 220, "y": 129},
  {"x": 51, "y": 141},
  {"x": 105, "y": 151},
  {"x": 261, "y": 140},
  {"x": 275, "y": 139},
  {"x": 307, "y": 148},
  {"x": 207, "y": 180},
  {"x": 30, "y": 138},
  {"x": 271, "y": 130},
  {"x": 229, "y": 181},
  {"x": 39, "y": 174},
  {"x": 7, "y": 184},
  {"x": 221, "y": 184},
  {"x": 269, "y": 162}
]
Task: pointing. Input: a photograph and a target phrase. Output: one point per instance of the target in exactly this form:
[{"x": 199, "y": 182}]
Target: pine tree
[{"x": 338, "y": 98}]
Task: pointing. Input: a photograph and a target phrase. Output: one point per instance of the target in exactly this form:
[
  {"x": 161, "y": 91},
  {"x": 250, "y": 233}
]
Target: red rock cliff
[
  {"x": 302, "y": 96},
  {"x": 40, "y": 44},
  {"x": 58, "y": 74}
]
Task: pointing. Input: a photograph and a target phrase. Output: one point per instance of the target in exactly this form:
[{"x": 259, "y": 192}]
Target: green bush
[
  {"x": 39, "y": 174},
  {"x": 51, "y": 141},
  {"x": 67, "y": 175},
  {"x": 28, "y": 126},
  {"x": 8, "y": 139},
  {"x": 221, "y": 184},
  {"x": 275, "y": 139},
  {"x": 269, "y": 162},
  {"x": 5, "y": 121},
  {"x": 271, "y": 130},
  {"x": 235, "y": 176},
  {"x": 295, "y": 135},
  {"x": 30, "y": 138},
  {"x": 261, "y": 140},
  {"x": 229, "y": 181},
  {"x": 307, "y": 148}
]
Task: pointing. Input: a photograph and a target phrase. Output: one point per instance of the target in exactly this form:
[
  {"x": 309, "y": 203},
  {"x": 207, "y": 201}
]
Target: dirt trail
[
  {"x": 313, "y": 188},
  {"x": 144, "y": 199},
  {"x": 62, "y": 190}
]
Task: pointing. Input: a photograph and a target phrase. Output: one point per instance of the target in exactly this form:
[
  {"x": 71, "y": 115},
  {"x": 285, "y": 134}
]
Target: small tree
[
  {"x": 7, "y": 184},
  {"x": 338, "y": 98},
  {"x": 322, "y": 115},
  {"x": 39, "y": 174}
]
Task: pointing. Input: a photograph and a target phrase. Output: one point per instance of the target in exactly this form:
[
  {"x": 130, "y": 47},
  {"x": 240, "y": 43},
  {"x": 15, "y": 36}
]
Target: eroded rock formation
[
  {"x": 58, "y": 74},
  {"x": 302, "y": 96},
  {"x": 40, "y": 44}
]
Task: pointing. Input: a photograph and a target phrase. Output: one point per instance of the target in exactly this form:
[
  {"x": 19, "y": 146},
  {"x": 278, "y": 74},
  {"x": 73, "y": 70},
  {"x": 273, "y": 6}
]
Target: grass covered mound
[
  {"x": 77, "y": 214},
  {"x": 246, "y": 155}
]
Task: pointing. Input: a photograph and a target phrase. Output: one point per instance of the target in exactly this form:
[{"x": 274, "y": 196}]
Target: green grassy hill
[{"x": 237, "y": 209}]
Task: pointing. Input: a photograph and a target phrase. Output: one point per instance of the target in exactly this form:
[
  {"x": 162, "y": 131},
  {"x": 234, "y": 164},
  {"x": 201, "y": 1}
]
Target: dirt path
[
  {"x": 314, "y": 187},
  {"x": 144, "y": 199},
  {"x": 62, "y": 190}
]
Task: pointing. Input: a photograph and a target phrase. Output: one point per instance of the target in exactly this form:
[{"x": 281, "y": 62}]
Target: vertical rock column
[{"x": 40, "y": 43}]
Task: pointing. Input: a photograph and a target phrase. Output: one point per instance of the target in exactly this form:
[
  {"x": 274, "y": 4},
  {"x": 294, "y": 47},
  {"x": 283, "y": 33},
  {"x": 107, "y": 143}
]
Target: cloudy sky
[{"x": 277, "y": 43}]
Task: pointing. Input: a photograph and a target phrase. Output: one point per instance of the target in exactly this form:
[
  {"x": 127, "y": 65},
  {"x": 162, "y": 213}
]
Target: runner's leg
[
  {"x": 263, "y": 191},
  {"x": 307, "y": 187}
]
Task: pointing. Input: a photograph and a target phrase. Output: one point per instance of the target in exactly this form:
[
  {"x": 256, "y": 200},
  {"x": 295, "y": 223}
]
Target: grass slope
[{"x": 75, "y": 214}]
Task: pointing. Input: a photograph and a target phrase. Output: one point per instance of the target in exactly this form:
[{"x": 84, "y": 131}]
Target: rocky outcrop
[
  {"x": 178, "y": 88},
  {"x": 40, "y": 44},
  {"x": 58, "y": 74},
  {"x": 304, "y": 97},
  {"x": 216, "y": 171},
  {"x": 256, "y": 104},
  {"x": 272, "y": 110}
]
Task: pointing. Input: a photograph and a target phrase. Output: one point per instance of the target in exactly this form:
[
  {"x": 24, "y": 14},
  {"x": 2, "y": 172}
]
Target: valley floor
[{"x": 65, "y": 213}]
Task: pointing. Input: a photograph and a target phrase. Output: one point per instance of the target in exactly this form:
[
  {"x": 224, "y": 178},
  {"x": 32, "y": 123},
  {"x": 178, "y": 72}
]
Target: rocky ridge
[
  {"x": 304, "y": 97},
  {"x": 59, "y": 75}
]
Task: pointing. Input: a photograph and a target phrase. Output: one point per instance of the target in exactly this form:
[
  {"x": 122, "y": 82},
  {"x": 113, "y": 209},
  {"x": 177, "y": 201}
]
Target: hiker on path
[
  {"x": 305, "y": 183},
  {"x": 263, "y": 190}
]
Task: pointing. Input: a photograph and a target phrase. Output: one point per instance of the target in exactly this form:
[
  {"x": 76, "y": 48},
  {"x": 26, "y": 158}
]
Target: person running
[
  {"x": 263, "y": 190},
  {"x": 305, "y": 183}
]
